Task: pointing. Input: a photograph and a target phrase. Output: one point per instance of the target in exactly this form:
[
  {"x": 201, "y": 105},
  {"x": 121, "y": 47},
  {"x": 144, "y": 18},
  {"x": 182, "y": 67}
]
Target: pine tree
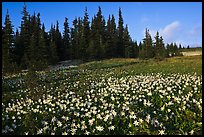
[
  {"x": 162, "y": 51},
  {"x": 127, "y": 43},
  {"x": 109, "y": 41},
  {"x": 179, "y": 46},
  {"x": 66, "y": 39},
  {"x": 75, "y": 40},
  {"x": 43, "y": 55},
  {"x": 81, "y": 39},
  {"x": 17, "y": 48},
  {"x": 58, "y": 43},
  {"x": 86, "y": 35},
  {"x": 53, "y": 57},
  {"x": 92, "y": 49},
  {"x": 120, "y": 45},
  {"x": 113, "y": 37},
  {"x": 159, "y": 47},
  {"x": 7, "y": 44},
  {"x": 100, "y": 30},
  {"x": 24, "y": 38},
  {"x": 147, "y": 45}
]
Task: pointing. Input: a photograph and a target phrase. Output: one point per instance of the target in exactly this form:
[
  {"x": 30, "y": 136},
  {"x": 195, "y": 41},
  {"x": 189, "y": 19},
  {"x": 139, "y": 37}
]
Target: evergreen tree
[
  {"x": 120, "y": 45},
  {"x": 81, "y": 39},
  {"x": 86, "y": 35},
  {"x": 127, "y": 43},
  {"x": 109, "y": 41},
  {"x": 179, "y": 46},
  {"x": 43, "y": 55},
  {"x": 17, "y": 49},
  {"x": 159, "y": 47},
  {"x": 134, "y": 49},
  {"x": 75, "y": 40},
  {"x": 92, "y": 49},
  {"x": 7, "y": 44},
  {"x": 100, "y": 29},
  {"x": 24, "y": 38},
  {"x": 53, "y": 57},
  {"x": 113, "y": 37},
  {"x": 58, "y": 43},
  {"x": 66, "y": 39},
  {"x": 147, "y": 45}
]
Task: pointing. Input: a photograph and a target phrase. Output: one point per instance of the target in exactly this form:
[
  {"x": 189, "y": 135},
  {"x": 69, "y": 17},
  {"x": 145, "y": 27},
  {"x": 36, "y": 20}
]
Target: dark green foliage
[
  {"x": 120, "y": 44},
  {"x": 147, "y": 50},
  {"x": 159, "y": 47},
  {"x": 34, "y": 49},
  {"x": 66, "y": 40},
  {"x": 8, "y": 47},
  {"x": 126, "y": 43}
]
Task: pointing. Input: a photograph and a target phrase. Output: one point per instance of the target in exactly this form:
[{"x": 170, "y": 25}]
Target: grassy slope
[{"x": 182, "y": 65}]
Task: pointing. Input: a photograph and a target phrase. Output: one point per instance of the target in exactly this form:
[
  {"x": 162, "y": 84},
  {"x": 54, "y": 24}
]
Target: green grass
[{"x": 182, "y": 65}]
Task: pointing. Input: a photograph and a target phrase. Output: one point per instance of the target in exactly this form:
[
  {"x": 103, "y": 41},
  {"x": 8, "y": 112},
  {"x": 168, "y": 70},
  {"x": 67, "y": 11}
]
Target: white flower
[
  {"x": 161, "y": 132},
  {"x": 87, "y": 133},
  {"x": 140, "y": 120},
  {"x": 91, "y": 121},
  {"x": 136, "y": 123},
  {"x": 162, "y": 108},
  {"x": 111, "y": 127},
  {"x": 64, "y": 133},
  {"x": 53, "y": 119},
  {"x": 99, "y": 128},
  {"x": 149, "y": 94},
  {"x": 168, "y": 88},
  {"x": 134, "y": 117},
  {"x": 59, "y": 124},
  {"x": 40, "y": 131},
  {"x": 148, "y": 118},
  {"x": 191, "y": 132}
]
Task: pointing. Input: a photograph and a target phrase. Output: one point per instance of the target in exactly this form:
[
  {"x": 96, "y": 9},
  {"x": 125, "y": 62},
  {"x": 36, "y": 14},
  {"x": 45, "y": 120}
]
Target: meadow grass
[{"x": 182, "y": 65}]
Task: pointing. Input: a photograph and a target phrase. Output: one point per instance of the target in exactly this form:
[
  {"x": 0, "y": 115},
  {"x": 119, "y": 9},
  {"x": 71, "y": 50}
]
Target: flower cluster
[{"x": 80, "y": 102}]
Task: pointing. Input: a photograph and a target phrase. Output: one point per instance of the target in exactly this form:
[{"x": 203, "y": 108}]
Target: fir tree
[
  {"x": 120, "y": 45},
  {"x": 127, "y": 43},
  {"x": 66, "y": 39},
  {"x": 24, "y": 38},
  {"x": 7, "y": 44},
  {"x": 86, "y": 35}
]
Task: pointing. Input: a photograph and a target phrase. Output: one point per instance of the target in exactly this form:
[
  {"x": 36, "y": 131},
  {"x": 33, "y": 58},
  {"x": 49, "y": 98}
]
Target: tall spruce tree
[
  {"x": 66, "y": 39},
  {"x": 113, "y": 36},
  {"x": 127, "y": 43},
  {"x": 7, "y": 44},
  {"x": 86, "y": 35},
  {"x": 100, "y": 29},
  {"x": 58, "y": 43},
  {"x": 75, "y": 40},
  {"x": 53, "y": 57},
  {"x": 147, "y": 45},
  {"x": 24, "y": 38},
  {"x": 109, "y": 41},
  {"x": 120, "y": 44}
]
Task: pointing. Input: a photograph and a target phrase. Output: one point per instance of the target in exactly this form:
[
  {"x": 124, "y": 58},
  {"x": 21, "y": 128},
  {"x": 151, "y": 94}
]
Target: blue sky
[{"x": 179, "y": 22}]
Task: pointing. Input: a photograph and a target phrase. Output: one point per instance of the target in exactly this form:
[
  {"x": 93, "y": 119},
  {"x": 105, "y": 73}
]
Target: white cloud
[{"x": 170, "y": 31}]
